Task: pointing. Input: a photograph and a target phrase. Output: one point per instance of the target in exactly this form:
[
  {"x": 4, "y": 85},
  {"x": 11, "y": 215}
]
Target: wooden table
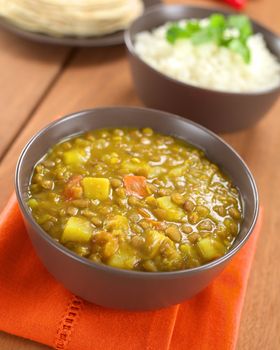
[{"x": 38, "y": 82}]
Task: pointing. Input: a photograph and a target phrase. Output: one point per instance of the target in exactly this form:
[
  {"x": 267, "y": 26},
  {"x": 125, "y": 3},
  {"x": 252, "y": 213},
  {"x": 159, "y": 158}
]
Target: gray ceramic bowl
[
  {"x": 114, "y": 287},
  {"x": 219, "y": 111}
]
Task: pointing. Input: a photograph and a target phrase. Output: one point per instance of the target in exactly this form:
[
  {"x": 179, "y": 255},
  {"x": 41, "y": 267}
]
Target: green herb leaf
[
  {"x": 202, "y": 37},
  {"x": 217, "y": 21},
  {"x": 192, "y": 27},
  {"x": 176, "y": 32},
  {"x": 208, "y": 34},
  {"x": 241, "y": 48},
  {"x": 242, "y": 23},
  {"x": 214, "y": 32}
]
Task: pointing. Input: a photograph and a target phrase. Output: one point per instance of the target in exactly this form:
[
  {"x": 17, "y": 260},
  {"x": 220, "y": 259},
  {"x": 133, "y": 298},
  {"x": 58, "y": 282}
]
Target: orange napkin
[{"x": 35, "y": 306}]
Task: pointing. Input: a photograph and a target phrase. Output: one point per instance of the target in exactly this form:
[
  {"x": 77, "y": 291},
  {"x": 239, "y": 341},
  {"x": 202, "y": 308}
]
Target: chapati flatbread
[{"x": 82, "y": 18}]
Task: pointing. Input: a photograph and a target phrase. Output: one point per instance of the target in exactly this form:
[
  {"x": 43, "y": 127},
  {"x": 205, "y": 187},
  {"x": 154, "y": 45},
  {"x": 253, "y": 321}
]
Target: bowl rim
[
  {"x": 157, "y": 8},
  {"x": 106, "y": 268}
]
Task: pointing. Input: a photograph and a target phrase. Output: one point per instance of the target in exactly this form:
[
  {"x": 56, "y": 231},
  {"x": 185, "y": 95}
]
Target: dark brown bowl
[
  {"x": 93, "y": 41},
  {"x": 219, "y": 111},
  {"x": 112, "y": 287}
]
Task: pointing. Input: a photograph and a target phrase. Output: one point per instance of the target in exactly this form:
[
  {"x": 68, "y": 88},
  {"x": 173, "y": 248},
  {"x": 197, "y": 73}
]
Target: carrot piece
[
  {"x": 136, "y": 185},
  {"x": 73, "y": 188},
  {"x": 157, "y": 224}
]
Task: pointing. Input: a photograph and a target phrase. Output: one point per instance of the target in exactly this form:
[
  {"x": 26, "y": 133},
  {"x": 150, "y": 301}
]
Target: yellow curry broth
[{"x": 135, "y": 199}]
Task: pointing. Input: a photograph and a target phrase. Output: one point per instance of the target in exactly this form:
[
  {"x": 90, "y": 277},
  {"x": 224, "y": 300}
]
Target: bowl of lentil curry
[{"x": 134, "y": 208}]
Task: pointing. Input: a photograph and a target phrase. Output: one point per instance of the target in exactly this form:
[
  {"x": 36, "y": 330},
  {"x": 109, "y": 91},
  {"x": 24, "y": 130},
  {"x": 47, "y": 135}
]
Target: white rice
[{"x": 208, "y": 65}]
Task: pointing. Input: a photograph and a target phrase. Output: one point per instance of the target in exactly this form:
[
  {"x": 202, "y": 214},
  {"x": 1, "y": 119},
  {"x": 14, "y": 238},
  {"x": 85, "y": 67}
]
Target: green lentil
[
  {"x": 116, "y": 183},
  {"x": 188, "y": 206},
  {"x": 177, "y": 198},
  {"x": 173, "y": 233}
]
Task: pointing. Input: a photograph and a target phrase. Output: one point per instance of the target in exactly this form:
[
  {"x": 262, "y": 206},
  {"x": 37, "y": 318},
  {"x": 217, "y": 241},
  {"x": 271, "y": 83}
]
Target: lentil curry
[{"x": 135, "y": 199}]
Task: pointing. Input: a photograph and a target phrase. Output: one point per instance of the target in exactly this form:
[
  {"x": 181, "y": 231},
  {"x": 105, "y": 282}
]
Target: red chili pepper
[{"x": 238, "y": 4}]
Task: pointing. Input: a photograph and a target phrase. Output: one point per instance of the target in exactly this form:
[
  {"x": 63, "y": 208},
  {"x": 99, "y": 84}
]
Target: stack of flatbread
[{"x": 80, "y": 18}]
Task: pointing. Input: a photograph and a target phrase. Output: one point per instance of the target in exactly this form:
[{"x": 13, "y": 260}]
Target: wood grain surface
[
  {"x": 26, "y": 73},
  {"x": 39, "y": 82}
]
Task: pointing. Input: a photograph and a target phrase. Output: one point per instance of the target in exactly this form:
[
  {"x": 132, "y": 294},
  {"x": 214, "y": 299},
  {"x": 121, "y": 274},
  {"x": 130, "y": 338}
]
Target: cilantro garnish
[{"x": 218, "y": 29}]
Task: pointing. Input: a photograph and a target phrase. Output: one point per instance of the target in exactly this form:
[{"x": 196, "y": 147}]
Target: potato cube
[
  {"x": 210, "y": 249},
  {"x": 135, "y": 168},
  {"x": 153, "y": 241},
  {"x": 124, "y": 258},
  {"x": 186, "y": 250},
  {"x": 117, "y": 222},
  {"x": 74, "y": 157},
  {"x": 110, "y": 247},
  {"x": 178, "y": 171},
  {"x": 155, "y": 171},
  {"x": 96, "y": 188},
  {"x": 172, "y": 211},
  {"x": 77, "y": 230}
]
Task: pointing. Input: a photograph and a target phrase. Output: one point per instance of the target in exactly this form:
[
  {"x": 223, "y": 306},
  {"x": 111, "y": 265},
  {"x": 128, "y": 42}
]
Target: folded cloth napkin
[{"x": 35, "y": 306}]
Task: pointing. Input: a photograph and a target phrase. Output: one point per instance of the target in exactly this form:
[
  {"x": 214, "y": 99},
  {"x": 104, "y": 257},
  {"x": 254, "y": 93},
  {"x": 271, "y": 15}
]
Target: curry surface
[{"x": 135, "y": 199}]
